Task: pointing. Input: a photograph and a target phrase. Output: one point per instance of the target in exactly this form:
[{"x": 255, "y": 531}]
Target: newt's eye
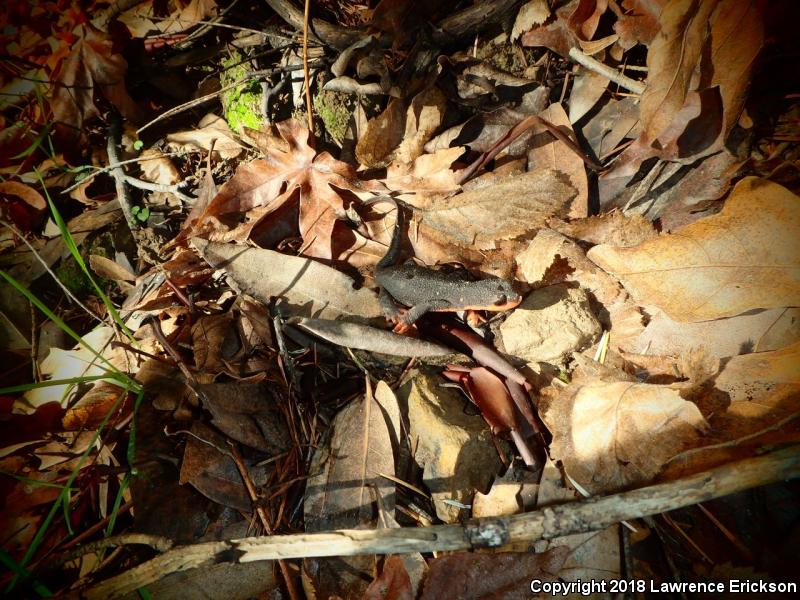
[{"x": 501, "y": 300}]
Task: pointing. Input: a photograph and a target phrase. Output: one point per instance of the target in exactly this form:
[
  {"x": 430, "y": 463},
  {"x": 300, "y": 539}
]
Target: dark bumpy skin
[{"x": 424, "y": 290}]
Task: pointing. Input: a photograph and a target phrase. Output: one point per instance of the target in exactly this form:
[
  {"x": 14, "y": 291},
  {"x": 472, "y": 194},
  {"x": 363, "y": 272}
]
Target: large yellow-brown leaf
[
  {"x": 614, "y": 435},
  {"x": 744, "y": 258}
]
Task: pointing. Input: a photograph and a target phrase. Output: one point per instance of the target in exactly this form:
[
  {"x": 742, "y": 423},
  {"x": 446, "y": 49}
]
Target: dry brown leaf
[
  {"x": 477, "y": 576},
  {"x": 307, "y": 288},
  {"x": 264, "y": 193},
  {"x": 533, "y": 12},
  {"x": 745, "y": 257},
  {"x": 91, "y": 65},
  {"x": 509, "y": 209},
  {"x": 105, "y": 267},
  {"x": 763, "y": 389},
  {"x": 737, "y": 35},
  {"x": 145, "y": 18},
  {"x": 347, "y": 490},
  {"x": 382, "y": 135},
  {"x": 392, "y": 584},
  {"x": 423, "y": 117},
  {"x": 354, "y": 335},
  {"x": 671, "y": 61},
  {"x": 613, "y": 228},
  {"x": 639, "y": 23},
  {"x": 588, "y": 88},
  {"x": 762, "y": 393},
  {"x": 601, "y": 430},
  {"x": 574, "y": 21},
  {"x": 546, "y": 152}
]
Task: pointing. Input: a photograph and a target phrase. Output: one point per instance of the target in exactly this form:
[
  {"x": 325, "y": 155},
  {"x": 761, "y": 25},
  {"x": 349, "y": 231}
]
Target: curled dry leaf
[
  {"x": 307, "y": 287},
  {"x": 533, "y": 12},
  {"x": 745, "y": 257},
  {"x": 615, "y": 435},
  {"x": 105, "y": 267},
  {"x": 363, "y": 337}
]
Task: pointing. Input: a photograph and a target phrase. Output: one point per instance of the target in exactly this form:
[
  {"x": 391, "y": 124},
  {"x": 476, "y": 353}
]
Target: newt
[{"x": 423, "y": 289}]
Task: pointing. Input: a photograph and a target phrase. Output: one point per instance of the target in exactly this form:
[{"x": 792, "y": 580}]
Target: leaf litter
[{"x": 657, "y": 337}]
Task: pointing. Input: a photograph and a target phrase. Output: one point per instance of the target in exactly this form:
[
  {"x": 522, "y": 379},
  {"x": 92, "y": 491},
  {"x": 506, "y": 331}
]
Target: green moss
[
  {"x": 241, "y": 104},
  {"x": 334, "y": 109}
]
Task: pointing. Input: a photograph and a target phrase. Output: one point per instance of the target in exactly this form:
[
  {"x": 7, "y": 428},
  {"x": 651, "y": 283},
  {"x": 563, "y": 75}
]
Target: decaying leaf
[
  {"x": 745, "y": 257},
  {"x": 211, "y": 130},
  {"x": 599, "y": 431},
  {"x": 307, "y": 288},
  {"x": 474, "y": 576}
]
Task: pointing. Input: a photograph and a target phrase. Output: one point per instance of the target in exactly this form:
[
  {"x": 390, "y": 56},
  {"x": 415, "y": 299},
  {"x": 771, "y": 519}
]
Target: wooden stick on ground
[{"x": 548, "y": 523}]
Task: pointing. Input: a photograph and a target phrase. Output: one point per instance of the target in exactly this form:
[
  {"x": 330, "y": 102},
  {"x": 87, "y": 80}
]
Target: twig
[
  {"x": 551, "y": 522},
  {"x": 111, "y": 167},
  {"x": 305, "y": 72},
  {"x": 637, "y": 87}
]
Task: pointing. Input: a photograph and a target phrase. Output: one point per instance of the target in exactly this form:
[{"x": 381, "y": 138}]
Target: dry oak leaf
[
  {"x": 745, "y": 257},
  {"x": 264, "y": 190},
  {"x": 91, "y": 64},
  {"x": 619, "y": 434}
]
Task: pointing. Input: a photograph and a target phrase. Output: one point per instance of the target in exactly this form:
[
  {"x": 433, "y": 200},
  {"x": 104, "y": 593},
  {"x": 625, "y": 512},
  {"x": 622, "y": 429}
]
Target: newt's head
[{"x": 492, "y": 294}]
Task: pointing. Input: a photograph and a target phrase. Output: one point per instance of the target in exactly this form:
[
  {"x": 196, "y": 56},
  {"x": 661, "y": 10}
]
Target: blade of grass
[
  {"x": 73, "y": 249},
  {"x": 20, "y": 571},
  {"x": 52, "y": 316},
  {"x": 25, "y": 387}
]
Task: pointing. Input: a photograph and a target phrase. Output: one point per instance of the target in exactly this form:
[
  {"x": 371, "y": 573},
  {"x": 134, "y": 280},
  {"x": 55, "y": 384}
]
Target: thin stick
[
  {"x": 637, "y": 87},
  {"x": 306, "y": 76},
  {"x": 550, "y": 522}
]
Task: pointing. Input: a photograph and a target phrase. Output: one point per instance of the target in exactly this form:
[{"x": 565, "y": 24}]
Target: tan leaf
[
  {"x": 599, "y": 431},
  {"x": 760, "y": 332},
  {"x": 158, "y": 168},
  {"x": 546, "y": 152},
  {"x": 347, "y": 489},
  {"x": 309, "y": 288},
  {"x": 763, "y": 389},
  {"x": 507, "y": 210},
  {"x": 105, "y": 267},
  {"x": 745, "y": 257},
  {"x": 533, "y": 12}
]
